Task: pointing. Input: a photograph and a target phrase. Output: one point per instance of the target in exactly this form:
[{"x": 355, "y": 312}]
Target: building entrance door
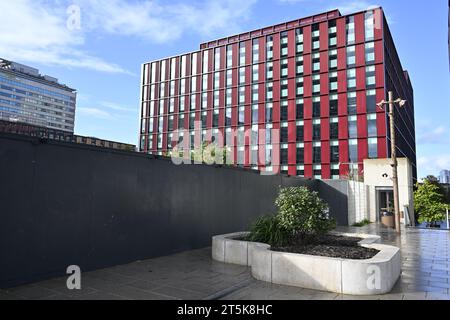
[{"x": 385, "y": 202}]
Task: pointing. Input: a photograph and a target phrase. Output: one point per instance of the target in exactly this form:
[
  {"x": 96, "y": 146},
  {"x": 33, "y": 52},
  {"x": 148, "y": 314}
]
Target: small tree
[
  {"x": 429, "y": 202},
  {"x": 303, "y": 212}
]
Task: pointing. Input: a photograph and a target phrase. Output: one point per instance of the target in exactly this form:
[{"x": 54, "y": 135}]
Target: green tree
[{"x": 429, "y": 201}]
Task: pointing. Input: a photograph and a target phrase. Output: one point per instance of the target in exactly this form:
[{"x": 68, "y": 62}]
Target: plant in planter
[
  {"x": 429, "y": 202},
  {"x": 302, "y": 214}
]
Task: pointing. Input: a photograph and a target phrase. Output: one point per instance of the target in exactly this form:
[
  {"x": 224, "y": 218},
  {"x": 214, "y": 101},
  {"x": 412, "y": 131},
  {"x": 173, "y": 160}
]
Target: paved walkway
[{"x": 193, "y": 275}]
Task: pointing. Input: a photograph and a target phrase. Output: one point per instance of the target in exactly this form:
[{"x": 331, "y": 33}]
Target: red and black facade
[{"x": 315, "y": 81}]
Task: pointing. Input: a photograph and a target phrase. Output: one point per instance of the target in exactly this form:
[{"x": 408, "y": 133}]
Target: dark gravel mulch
[{"x": 331, "y": 246}]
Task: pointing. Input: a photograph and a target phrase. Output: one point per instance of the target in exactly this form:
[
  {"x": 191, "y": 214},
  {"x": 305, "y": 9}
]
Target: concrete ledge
[{"x": 356, "y": 277}]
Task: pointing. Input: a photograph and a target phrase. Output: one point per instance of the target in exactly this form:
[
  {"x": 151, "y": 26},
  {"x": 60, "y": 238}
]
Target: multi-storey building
[
  {"x": 28, "y": 97},
  {"x": 314, "y": 82}
]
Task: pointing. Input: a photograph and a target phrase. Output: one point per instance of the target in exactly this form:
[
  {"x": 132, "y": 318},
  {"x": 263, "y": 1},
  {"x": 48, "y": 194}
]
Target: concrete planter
[{"x": 356, "y": 277}]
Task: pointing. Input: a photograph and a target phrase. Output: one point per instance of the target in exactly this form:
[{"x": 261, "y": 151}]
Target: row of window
[{"x": 299, "y": 42}]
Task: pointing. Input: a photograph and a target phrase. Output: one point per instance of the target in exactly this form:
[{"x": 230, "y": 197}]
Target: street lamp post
[{"x": 391, "y": 103}]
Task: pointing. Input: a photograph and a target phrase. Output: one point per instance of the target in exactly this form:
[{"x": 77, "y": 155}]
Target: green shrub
[
  {"x": 267, "y": 229},
  {"x": 362, "y": 223},
  {"x": 303, "y": 213}
]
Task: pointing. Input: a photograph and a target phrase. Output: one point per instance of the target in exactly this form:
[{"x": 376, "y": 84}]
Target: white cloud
[
  {"x": 94, "y": 112},
  {"x": 156, "y": 22},
  {"x": 36, "y": 30},
  {"x": 429, "y": 134},
  {"x": 433, "y": 164},
  {"x": 354, "y": 6},
  {"x": 116, "y": 106}
]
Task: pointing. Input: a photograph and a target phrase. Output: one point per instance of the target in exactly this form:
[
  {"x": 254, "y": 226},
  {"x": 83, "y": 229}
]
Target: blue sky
[{"x": 102, "y": 58}]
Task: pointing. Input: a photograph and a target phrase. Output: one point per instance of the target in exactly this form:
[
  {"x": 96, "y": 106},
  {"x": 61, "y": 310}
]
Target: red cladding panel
[
  {"x": 362, "y": 125},
  {"x": 361, "y": 78},
  {"x": 291, "y": 106},
  {"x": 342, "y": 104},
  {"x": 379, "y": 75},
  {"x": 326, "y": 173},
  {"x": 307, "y": 39},
  {"x": 291, "y": 70},
  {"x": 323, "y": 27},
  {"x": 325, "y": 129},
  {"x": 276, "y": 47},
  {"x": 359, "y": 28},
  {"x": 341, "y": 58},
  {"x": 307, "y": 86},
  {"x": 292, "y": 153},
  {"x": 343, "y": 128},
  {"x": 379, "y": 51},
  {"x": 362, "y": 149},
  {"x": 325, "y": 106},
  {"x": 324, "y": 61},
  {"x": 292, "y": 131},
  {"x": 291, "y": 43},
  {"x": 381, "y": 124},
  {"x": 324, "y": 85},
  {"x": 341, "y": 32},
  {"x": 307, "y": 107},
  {"x": 307, "y": 68},
  {"x": 382, "y": 148},
  {"x": 276, "y": 71},
  {"x": 360, "y": 52},
  {"x": 378, "y": 24},
  {"x": 342, "y": 81},
  {"x": 361, "y": 102},
  {"x": 308, "y": 156},
  {"x": 308, "y": 131},
  {"x": 325, "y": 152}
]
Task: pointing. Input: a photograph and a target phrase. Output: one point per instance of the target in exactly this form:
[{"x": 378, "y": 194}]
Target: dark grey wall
[{"x": 63, "y": 204}]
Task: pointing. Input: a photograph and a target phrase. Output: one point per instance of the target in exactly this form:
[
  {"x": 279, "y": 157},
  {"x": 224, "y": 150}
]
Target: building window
[
  {"x": 316, "y": 62},
  {"x": 300, "y": 135},
  {"x": 316, "y": 84},
  {"x": 193, "y": 102},
  {"x": 172, "y": 88},
  {"x": 228, "y": 98},
  {"x": 369, "y": 25},
  {"x": 317, "y": 152},
  {"x": 333, "y": 81},
  {"x": 241, "y": 115},
  {"x": 204, "y": 100},
  {"x": 192, "y": 120},
  {"x": 170, "y": 123},
  {"x": 269, "y": 109},
  {"x": 284, "y": 110},
  {"x": 193, "y": 84},
  {"x": 333, "y": 104},
  {"x": 163, "y": 70},
  {"x": 352, "y": 127},
  {"x": 241, "y": 75},
  {"x": 255, "y": 93},
  {"x": 229, "y": 56},
  {"x": 160, "y": 141},
  {"x": 268, "y": 134},
  {"x": 194, "y": 63},
  {"x": 269, "y": 91},
  {"x": 332, "y": 33},
  {"x": 316, "y": 107},
  {"x": 373, "y": 148},
  {"x": 255, "y": 73},
  {"x": 334, "y": 128},
  {"x": 299, "y": 40},
  {"x": 229, "y": 78},
  {"x": 255, "y": 116},
  {"x": 284, "y": 88},
  {"x": 351, "y": 56},
  {"x": 316, "y": 129},
  {"x": 183, "y": 66},
  {"x": 351, "y": 78},
  {"x": 242, "y": 95},
  {"x": 372, "y": 125},
  {"x": 284, "y": 155},
  {"x": 370, "y": 76},
  {"x": 182, "y": 101},
  {"x": 301, "y": 171},
  {"x": 353, "y": 150},
  {"x": 315, "y": 36},
  {"x": 370, "y": 52},
  {"x": 216, "y": 118},
  {"x": 284, "y": 132},
  {"x": 317, "y": 171},
  {"x": 332, "y": 56},
  {"x": 228, "y": 117},
  {"x": 217, "y": 59},
  {"x": 216, "y": 80},
  {"x": 284, "y": 68},
  {"x": 299, "y": 109},
  {"x": 335, "y": 171},
  {"x": 351, "y": 103},
  {"x": 284, "y": 44},
  {"x": 299, "y": 65},
  {"x": 205, "y": 61},
  {"x": 255, "y": 50},
  {"x": 182, "y": 86},
  {"x": 269, "y": 47},
  {"x": 216, "y": 98},
  {"x": 181, "y": 121},
  {"x": 351, "y": 30},
  {"x": 371, "y": 103},
  {"x": 299, "y": 86},
  {"x": 300, "y": 154},
  {"x": 268, "y": 156},
  {"x": 269, "y": 70}
]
